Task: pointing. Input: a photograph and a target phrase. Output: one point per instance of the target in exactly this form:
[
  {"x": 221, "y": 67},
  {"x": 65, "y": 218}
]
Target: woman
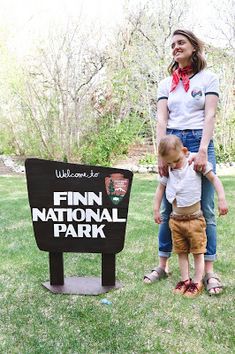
[{"x": 187, "y": 102}]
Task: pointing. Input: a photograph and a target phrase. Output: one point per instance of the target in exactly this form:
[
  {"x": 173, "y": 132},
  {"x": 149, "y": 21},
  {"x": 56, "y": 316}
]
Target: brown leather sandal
[
  {"x": 213, "y": 285},
  {"x": 153, "y": 277}
]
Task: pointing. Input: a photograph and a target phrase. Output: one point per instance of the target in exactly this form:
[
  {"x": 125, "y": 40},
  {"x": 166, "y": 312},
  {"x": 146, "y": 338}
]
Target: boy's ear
[{"x": 184, "y": 150}]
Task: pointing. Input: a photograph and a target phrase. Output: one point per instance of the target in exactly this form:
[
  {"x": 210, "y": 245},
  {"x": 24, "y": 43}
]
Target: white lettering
[
  {"x": 82, "y": 215},
  {"x": 70, "y": 231},
  {"x": 93, "y": 198},
  {"x": 58, "y": 228},
  {"x": 77, "y": 198},
  {"x": 92, "y": 214},
  {"x": 63, "y": 214},
  {"x": 78, "y": 215},
  {"x": 51, "y": 215},
  {"x": 67, "y": 174},
  {"x": 98, "y": 231},
  {"x": 37, "y": 214},
  {"x": 59, "y": 196},
  {"x": 83, "y": 230},
  {"x": 115, "y": 216},
  {"x": 105, "y": 215}
]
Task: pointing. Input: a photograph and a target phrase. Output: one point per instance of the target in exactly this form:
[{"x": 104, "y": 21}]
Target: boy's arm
[
  {"x": 157, "y": 202},
  {"x": 222, "y": 204}
]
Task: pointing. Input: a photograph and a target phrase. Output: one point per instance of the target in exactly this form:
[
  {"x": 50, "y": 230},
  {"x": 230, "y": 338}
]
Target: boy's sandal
[
  {"x": 153, "y": 277},
  {"x": 213, "y": 285},
  {"x": 182, "y": 286},
  {"x": 193, "y": 290}
]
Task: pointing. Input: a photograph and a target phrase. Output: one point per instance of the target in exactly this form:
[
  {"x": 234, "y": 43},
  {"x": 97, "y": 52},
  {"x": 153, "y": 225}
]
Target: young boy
[{"x": 187, "y": 224}]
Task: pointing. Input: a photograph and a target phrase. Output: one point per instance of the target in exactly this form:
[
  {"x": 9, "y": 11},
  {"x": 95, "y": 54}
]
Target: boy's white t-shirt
[
  {"x": 187, "y": 109},
  {"x": 184, "y": 184}
]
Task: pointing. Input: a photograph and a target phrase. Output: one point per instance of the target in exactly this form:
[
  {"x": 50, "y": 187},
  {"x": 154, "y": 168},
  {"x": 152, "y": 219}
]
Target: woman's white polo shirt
[{"x": 187, "y": 109}]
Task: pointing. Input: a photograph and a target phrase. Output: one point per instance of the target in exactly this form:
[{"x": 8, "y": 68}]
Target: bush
[
  {"x": 110, "y": 140},
  {"x": 148, "y": 159},
  {"x": 6, "y": 143},
  {"x": 224, "y": 156}
]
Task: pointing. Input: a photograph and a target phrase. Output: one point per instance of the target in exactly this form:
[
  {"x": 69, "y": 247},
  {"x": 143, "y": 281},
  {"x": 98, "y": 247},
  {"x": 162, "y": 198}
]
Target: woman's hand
[
  {"x": 162, "y": 168},
  {"x": 157, "y": 217},
  {"x": 200, "y": 161}
]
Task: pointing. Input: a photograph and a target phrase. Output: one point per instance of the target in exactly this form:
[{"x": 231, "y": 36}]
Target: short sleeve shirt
[
  {"x": 184, "y": 185},
  {"x": 187, "y": 109}
]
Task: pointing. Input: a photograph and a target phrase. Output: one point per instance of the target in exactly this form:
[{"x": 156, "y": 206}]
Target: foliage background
[{"x": 78, "y": 96}]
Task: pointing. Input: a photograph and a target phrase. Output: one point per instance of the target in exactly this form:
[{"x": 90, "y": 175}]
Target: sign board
[{"x": 78, "y": 208}]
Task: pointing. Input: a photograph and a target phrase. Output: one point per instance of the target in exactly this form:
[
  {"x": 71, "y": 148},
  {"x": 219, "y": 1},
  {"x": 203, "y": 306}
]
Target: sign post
[{"x": 78, "y": 208}]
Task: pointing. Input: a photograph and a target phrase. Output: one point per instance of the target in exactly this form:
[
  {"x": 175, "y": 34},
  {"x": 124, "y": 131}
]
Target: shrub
[
  {"x": 110, "y": 140},
  {"x": 148, "y": 159},
  {"x": 224, "y": 156}
]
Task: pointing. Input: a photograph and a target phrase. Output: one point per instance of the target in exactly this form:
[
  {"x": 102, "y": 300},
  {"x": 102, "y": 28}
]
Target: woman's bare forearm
[
  {"x": 209, "y": 122},
  {"x": 162, "y": 118}
]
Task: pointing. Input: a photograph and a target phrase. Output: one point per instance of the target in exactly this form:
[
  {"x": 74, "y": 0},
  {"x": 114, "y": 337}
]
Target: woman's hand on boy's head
[{"x": 223, "y": 207}]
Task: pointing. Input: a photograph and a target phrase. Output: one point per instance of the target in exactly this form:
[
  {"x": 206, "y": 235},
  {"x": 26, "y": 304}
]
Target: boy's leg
[
  {"x": 199, "y": 267},
  {"x": 197, "y": 239},
  {"x": 183, "y": 266},
  {"x": 196, "y": 286},
  {"x": 181, "y": 247},
  {"x": 183, "y": 284}
]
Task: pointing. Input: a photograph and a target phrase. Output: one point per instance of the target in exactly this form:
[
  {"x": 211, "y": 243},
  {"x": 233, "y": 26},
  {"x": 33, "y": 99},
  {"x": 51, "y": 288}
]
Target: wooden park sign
[{"x": 78, "y": 208}]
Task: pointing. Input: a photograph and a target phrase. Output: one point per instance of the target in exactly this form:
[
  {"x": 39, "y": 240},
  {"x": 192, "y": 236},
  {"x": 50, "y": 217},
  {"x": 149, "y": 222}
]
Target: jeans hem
[
  {"x": 164, "y": 254},
  {"x": 208, "y": 257}
]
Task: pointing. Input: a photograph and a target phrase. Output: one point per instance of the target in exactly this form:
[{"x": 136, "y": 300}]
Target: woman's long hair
[{"x": 198, "y": 61}]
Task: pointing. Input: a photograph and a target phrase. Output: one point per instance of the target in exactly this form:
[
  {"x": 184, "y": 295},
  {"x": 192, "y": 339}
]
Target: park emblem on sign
[{"x": 116, "y": 187}]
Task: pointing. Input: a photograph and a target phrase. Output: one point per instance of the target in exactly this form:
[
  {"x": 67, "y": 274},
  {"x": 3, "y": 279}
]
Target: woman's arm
[
  {"x": 162, "y": 118},
  {"x": 200, "y": 160}
]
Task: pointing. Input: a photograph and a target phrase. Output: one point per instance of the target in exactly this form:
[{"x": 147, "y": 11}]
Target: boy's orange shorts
[{"x": 189, "y": 236}]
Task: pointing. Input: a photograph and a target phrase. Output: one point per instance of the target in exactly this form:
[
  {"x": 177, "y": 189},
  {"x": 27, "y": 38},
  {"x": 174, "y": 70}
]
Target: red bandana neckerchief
[{"x": 181, "y": 74}]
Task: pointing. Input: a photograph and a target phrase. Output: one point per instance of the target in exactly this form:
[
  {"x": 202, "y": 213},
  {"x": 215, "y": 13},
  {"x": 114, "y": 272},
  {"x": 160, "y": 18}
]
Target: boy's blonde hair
[{"x": 169, "y": 142}]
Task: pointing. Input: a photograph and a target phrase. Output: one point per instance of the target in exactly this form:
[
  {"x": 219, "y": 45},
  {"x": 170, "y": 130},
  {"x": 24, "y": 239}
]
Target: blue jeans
[{"x": 191, "y": 139}]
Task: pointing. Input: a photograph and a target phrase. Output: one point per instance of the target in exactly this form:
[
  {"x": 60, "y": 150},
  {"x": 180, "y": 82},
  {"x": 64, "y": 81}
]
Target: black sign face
[{"x": 78, "y": 208}]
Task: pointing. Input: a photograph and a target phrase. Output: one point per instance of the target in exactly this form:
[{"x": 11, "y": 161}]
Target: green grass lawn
[{"x": 141, "y": 318}]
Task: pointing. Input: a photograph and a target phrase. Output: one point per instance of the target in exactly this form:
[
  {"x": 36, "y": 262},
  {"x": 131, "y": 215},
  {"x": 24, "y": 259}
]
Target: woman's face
[{"x": 182, "y": 50}]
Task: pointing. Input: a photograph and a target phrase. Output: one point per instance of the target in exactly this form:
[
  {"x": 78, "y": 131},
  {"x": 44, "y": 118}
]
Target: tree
[{"x": 54, "y": 97}]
